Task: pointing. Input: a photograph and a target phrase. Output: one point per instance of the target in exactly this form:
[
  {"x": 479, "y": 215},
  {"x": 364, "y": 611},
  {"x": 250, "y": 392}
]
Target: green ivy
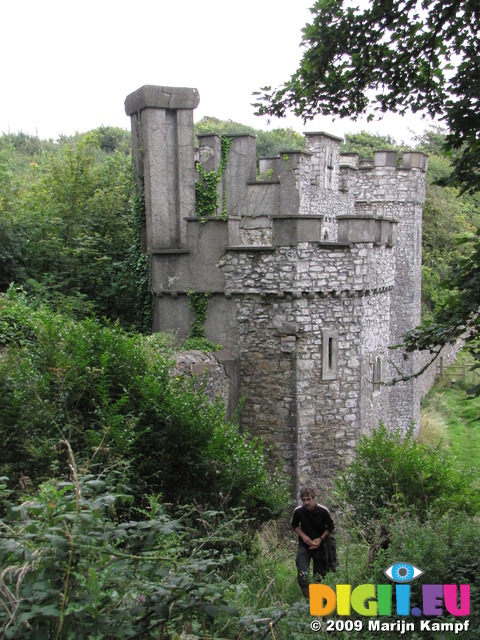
[
  {"x": 140, "y": 263},
  {"x": 196, "y": 339},
  {"x": 198, "y": 306},
  {"x": 206, "y": 196}
]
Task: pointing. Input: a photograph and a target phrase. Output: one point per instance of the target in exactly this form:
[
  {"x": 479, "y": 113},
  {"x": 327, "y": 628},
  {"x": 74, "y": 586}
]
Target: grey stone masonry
[
  {"x": 313, "y": 274},
  {"x": 162, "y": 141}
]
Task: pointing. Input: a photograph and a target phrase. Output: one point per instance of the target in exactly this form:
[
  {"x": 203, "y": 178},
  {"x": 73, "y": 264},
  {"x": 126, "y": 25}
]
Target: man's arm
[
  {"x": 307, "y": 540},
  {"x": 329, "y": 524}
]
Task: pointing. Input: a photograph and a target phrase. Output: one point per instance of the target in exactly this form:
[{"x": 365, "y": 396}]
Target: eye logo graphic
[{"x": 403, "y": 572}]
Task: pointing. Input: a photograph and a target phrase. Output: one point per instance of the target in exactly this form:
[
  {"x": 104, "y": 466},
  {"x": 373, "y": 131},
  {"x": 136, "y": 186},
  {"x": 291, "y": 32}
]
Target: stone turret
[
  {"x": 313, "y": 267},
  {"x": 162, "y": 145}
]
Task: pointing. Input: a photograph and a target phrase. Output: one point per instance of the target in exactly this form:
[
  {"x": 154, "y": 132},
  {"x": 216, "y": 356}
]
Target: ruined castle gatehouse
[{"x": 313, "y": 273}]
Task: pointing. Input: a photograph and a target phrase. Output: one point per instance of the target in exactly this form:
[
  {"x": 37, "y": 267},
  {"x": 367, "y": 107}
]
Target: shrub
[
  {"x": 112, "y": 396},
  {"x": 446, "y": 548},
  {"x": 392, "y": 473},
  {"x": 71, "y": 568}
]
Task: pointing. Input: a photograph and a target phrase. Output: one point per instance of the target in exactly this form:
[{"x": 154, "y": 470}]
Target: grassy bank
[{"x": 449, "y": 414}]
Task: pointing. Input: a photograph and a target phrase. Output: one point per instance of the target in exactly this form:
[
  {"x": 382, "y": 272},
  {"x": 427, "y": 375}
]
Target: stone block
[
  {"x": 291, "y": 230},
  {"x": 156, "y": 97},
  {"x": 415, "y": 160},
  {"x": 386, "y": 158},
  {"x": 288, "y": 344}
]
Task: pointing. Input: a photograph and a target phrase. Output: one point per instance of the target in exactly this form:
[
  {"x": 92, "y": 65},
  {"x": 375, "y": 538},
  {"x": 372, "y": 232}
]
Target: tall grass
[{"x": 452, "y": 416}]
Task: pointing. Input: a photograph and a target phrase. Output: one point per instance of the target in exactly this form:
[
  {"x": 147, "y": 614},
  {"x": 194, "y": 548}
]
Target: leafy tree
[
  {"x": 69, "y": 227},
  {"x": 417, "y": 55},
  {"x": 269, "y": 143},
  {"x": 365, "y": 143}
]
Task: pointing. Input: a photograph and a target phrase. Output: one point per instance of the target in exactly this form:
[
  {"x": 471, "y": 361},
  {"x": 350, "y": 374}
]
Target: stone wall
[
  {"x": 427, "y": 379},
  {"x": 215, "y": 374}
]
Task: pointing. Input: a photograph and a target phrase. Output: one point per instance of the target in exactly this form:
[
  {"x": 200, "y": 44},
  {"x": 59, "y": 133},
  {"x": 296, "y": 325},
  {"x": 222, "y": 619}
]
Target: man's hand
[
  {"x": 308, "y": 541},
  {"x": 315, "y": 543}
]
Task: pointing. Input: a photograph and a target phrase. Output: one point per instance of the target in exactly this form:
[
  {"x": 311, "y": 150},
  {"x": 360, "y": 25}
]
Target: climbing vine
[
  {"x": 197, "y": 301},
  {"x": 206, "y": 196},
  {"x": 198, "y": 306},
  {"x": 141, "y": 267}
]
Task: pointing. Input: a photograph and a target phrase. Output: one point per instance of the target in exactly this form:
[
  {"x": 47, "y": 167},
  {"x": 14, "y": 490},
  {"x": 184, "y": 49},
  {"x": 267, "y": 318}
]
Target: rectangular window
[
  {"x": 377, "y": 373},
  {"x": 329, "y": 355}
]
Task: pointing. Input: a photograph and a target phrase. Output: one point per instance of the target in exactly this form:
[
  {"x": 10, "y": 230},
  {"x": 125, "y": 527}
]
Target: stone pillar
[
  {"x": 210, "y": 156},
  {"x": 288, "y": 170},
  {"x": 240, "y": 169},
  {"x": 163, "y": 148}
]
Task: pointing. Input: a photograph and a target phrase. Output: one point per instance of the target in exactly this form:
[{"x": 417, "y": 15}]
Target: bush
[
  {"x": 392, "y": 474},
  {"x": 71, "y": 568},
  {"x": 112, "y": 396},
  {"x": 446, "y": 548}
]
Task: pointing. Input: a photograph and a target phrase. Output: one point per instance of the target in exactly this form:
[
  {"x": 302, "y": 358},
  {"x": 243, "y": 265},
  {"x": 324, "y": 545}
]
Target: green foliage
[
  {"x": 141, "y": 267},
  {"x": 354, "y": 63},
  {"x": 206, "y": 196},
  {"x": 457, "y": 317},
  {"x": 113, "y": 139},
  {"x": 111, "y": 395},
  {"x": 72, "y": 567},
  {"x": 67, "y": 223},
  {"x": 393, "y": 474},
  {"x": 269, "y": 143},
  {"x": 445, "y": 547},
  {"x": 17, "y": 326},
  {"x": 448, "y": 217},
  {"x": 365, "y": 143}
]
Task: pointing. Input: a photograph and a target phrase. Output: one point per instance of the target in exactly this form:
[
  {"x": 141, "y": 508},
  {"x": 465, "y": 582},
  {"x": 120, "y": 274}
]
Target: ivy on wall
[
  {"x": 206, "y": 196},
  {"x": 141, "y": 267},
  {"x": 198, "y": 306},
  {"x": 197, "y": 302}
]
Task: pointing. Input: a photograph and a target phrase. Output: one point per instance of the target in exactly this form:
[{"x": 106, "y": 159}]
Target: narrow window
[
  {"x": 329, "y": 355},
  {"x": 329, "y": 170},
  {"x": 377, "y": 373}
]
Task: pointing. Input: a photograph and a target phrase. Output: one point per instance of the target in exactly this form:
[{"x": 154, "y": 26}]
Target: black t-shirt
[{"x": 314, "y": 523}]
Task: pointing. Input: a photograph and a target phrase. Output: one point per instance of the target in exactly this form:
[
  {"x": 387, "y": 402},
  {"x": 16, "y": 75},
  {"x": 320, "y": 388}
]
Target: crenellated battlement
[
  {"x": 314, "y": 182},
  {"x": 312, "y": 260}
]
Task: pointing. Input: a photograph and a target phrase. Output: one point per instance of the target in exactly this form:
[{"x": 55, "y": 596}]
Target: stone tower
[{"x": 312, "y": 275}]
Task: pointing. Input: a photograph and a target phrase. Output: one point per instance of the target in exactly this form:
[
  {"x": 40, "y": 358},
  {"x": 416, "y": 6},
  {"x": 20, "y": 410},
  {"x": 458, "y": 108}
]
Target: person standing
[{"x": 313, "y": 524}]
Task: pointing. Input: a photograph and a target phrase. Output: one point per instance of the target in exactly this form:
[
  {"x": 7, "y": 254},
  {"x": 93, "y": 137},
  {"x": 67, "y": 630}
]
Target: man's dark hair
[{"x": 307, "y": 491}]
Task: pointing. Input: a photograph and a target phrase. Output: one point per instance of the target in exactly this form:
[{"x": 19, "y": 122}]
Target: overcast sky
[{"x": 68, "y": 66}]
